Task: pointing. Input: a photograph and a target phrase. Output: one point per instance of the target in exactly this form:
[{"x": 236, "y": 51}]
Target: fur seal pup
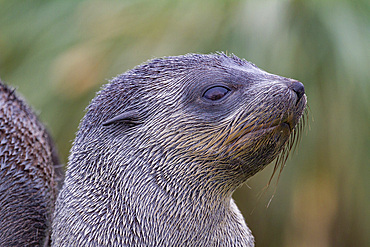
[
  {"x": 163, "y": 147},
  {"x": 29, "y": 174}
]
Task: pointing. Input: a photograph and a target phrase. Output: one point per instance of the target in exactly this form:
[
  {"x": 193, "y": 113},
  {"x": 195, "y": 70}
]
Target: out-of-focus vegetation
[{"x": 59, "y": 53}]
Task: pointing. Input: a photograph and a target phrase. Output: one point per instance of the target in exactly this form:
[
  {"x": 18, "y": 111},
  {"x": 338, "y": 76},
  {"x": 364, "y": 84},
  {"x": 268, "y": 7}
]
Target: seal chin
[{"x": 260, "y": 147}]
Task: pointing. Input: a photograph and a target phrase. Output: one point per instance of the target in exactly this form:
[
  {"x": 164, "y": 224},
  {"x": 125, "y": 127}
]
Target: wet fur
[{"x": 29, "y": 174}]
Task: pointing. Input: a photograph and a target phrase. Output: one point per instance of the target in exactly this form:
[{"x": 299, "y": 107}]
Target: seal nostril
[{"x": 298, "y": 88}]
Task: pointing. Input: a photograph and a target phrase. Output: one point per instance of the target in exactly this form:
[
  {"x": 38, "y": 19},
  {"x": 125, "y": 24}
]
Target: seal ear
[{"x": 129, "y": 117}]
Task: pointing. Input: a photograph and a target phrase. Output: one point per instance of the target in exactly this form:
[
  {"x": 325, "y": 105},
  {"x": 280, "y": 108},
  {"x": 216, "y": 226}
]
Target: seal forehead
[
  {"x": 247, "y": 68},
  {"x": 220, "y": 68}
]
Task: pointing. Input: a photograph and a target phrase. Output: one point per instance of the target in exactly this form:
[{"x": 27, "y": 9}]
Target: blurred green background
[{"x": 59, "y": 53}]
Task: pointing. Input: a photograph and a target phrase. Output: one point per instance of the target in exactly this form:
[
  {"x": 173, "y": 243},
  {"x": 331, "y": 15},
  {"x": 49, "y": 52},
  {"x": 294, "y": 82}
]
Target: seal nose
[{"x": 298, "y": 88}]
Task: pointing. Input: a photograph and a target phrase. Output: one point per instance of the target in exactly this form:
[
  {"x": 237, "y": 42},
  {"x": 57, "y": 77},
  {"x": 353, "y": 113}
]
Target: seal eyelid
[{"x": 216, "y": 93}]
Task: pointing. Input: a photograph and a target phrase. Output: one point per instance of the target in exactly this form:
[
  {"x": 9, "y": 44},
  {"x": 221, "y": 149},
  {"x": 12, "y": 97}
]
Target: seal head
[{"x": 162, "y": 148}]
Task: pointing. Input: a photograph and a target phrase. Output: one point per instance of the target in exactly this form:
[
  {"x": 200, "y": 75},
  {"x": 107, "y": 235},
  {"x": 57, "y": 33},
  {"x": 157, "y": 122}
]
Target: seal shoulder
[{"x": 29, "y": 173}]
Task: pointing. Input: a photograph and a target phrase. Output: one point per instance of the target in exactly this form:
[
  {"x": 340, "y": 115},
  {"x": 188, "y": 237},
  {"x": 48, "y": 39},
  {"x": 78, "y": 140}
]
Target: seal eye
[{"x": 216, "y": 93}]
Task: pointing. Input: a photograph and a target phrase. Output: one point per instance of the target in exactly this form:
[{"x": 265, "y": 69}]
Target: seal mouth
[
  {"x": 286, "y": 123},
  {"x": 286, "y": 126}
]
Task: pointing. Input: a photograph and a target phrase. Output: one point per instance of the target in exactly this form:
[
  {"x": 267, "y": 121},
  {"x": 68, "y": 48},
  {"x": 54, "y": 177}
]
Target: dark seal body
[
  {"x": 29, "y": 174},
  {"x": 163, "y": 147}
]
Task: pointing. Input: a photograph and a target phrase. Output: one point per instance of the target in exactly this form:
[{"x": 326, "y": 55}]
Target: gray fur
[{"x": 167, "y": 179}]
